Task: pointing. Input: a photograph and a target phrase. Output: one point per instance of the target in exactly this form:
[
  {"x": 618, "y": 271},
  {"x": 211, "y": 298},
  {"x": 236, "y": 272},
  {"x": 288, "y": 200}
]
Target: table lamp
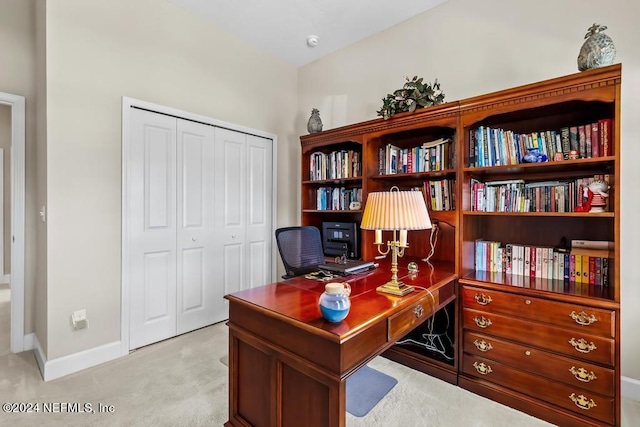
[{"x": 397, "y": 211}]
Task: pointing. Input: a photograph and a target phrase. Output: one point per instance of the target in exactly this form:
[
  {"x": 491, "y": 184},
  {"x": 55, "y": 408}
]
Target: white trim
[
  {"x": 7, "y": 279},
  {"x": 29, "y": 341},
  {"x": 2, "y": 236},
  {"x": 75, "y": 362},
  {"x": 17, "y": 104},
  {"x": 630, "y": 388},
  {"x": 127, "y": 103},
  {"x": 41, "y": 359}
]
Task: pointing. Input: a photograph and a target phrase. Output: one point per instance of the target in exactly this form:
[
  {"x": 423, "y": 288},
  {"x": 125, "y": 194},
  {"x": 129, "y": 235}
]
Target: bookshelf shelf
[
  {"x": 543, "y": 214},
  {"x": 321, "y": 182},
  {"x": 415, "y": 176},
  {"x": 331, "y": 211}
]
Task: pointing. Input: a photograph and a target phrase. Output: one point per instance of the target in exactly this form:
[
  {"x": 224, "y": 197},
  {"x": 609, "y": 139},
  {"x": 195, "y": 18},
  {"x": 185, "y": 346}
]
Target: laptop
[{"x": 352, "y": 266}]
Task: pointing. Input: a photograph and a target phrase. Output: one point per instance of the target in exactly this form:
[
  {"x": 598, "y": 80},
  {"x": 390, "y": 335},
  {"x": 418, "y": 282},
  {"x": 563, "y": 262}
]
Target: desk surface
[
  {"x": 288, "y": 366},
  {"x": 297, "y": 298}
]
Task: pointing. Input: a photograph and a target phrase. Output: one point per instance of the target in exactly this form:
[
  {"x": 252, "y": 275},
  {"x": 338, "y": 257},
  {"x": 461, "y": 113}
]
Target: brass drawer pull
[
  {"x": 583, "y": 318},
  {"x": 418, "y": 311},
  {"x": 482, "y": 368},
  {"x": 482, "y": 322},
  {"x": 581, "y": 374},
  {"x": 483, "y": 345},
  {"x": 582, "y": 345},
  {"x": 582, "y": 402},
  {"x": 482, "y": 299},
  {"x": 527, "y": 302}
]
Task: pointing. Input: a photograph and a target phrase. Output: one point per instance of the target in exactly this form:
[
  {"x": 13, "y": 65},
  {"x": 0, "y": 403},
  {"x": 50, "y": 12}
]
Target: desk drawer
[
  {"x": 570, "y": 371},
  {"x": 404, "y": 321},
  {"x": 587, "y": 319},
  {"x": 590, "y": 348},
  {"x": 572, "y": 398}
]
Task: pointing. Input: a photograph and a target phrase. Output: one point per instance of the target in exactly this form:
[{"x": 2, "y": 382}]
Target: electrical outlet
[{"x": 79, "y": 319}]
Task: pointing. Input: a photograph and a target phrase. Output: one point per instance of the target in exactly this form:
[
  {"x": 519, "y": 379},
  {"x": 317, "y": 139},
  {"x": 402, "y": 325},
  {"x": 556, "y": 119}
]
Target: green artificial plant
[{"x": 414, "y": 94}]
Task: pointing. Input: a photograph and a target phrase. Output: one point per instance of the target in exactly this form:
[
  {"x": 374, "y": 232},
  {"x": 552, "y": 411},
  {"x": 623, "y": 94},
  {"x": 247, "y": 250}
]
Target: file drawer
[
  {"x": 572, "y": 372},
  {"x": 572, "y": 398},
  {"x": 585, "y": 319},
  {"x": 590, "y": 348}
]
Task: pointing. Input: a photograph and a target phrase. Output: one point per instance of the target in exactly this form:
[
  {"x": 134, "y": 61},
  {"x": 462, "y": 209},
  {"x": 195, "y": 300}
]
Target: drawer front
[
  {"x": 576, "y": 373},
  {"x": 575, "y": 399},
  {"x": 574, "y": 344},
  {"x": 585, "y": 319},
  {"x": 404, "y": 321}
]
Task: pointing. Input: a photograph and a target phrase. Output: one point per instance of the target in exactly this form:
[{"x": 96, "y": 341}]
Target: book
[
  {"x": 588, "y": 147},
  {"x": 592, "y": 244},
  {"x": 605, "y": 271},
  {"x": 566, "y": 143},
  {"x": 585, "y": 269},
  {"x": 605, "y": 137},
  {"x": 578, "y": 267},
  {"x": 595, "y": 140},
  {"x": 573, "y": 139},
  {"x": 604, "y": 253},
  {"x": 582, "y": 142},
  {"x": 592, "y": 270}
]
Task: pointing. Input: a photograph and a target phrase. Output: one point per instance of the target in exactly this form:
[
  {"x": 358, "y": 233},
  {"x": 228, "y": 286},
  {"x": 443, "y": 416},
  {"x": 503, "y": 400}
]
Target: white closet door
[
  {"x": 259, "y": 210},
  {"x": 152, "y": 228},
  {"x": 199, "y": 295},
  {"x": 231, "y": 218}
]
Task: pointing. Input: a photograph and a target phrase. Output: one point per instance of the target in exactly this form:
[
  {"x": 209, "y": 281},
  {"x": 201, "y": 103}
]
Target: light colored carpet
[
  {"x": 5, "y": 319},
  {"x": 182, "y": 382}
]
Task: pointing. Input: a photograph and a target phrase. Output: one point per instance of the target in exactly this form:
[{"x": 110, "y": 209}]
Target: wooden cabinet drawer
[
  {"x": 575, "y": 344},
  {"x": 404, "y": 321},
  {"x": 576, "y": 373},
  {"x": 572, "y": 398},
  {"x": 586, "y": 319}
]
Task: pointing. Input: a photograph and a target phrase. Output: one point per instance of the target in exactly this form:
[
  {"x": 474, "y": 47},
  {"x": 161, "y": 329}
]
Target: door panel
[
  {"x": 259, "y": 210},
  {"x": 152, "y": 228},
  {"x": 199, "y": 296}
]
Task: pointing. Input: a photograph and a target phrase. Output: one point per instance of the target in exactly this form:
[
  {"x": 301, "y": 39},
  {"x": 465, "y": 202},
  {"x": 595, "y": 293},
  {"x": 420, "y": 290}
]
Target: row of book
[
  {"x": 540, "y": 196},
  {"x": 337, "y": 198},
  {"x": 496, "y": 147},
  {"x": 439, "y": 194},
  {"x": 578, "y": 264},
  {"x": 335, "y": 165},
  {"x": 433, "y": 155}
]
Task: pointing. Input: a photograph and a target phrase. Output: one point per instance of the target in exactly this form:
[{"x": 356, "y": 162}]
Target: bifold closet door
[
  {"x": 244, "y": 187},
  {"x": 174, "y": 256},
  {"x": 152, "y": 228}
]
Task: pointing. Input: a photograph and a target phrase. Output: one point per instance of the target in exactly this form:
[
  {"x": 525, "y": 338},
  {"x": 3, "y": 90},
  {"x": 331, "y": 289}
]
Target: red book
[
  {"x": 572, "y": 268},
  {"x": 592, "y": 270},
  {"x": 595, "y": 139},
  {"x": 532, "y": 263},
  {"x": 605, "y": 137}
]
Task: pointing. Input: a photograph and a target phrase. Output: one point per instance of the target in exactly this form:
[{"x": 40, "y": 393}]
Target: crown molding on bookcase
[
  {"x": 405, "y": 120},
  {"x": 549, "y": 89}
]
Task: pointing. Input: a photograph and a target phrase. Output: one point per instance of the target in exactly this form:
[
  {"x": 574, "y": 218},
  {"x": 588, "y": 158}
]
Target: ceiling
[{"x": 281, "y": 27}]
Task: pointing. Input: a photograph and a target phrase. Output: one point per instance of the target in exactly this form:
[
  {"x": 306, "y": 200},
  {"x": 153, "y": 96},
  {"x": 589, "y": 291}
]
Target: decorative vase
[
  {"x": 334, "y": 302},
  {"x": 314, "y": 124},
  {"x": 534, "y": 156},
  {"x": 598, "y": 50}
]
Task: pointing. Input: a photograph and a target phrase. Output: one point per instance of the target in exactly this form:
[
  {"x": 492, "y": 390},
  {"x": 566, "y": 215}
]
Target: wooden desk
[{"x": 288, "y": 366}]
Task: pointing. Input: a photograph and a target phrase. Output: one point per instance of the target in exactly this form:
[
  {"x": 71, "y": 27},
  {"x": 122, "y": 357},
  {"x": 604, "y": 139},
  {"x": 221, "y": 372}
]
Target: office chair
[{"x": 300, "y": 249}]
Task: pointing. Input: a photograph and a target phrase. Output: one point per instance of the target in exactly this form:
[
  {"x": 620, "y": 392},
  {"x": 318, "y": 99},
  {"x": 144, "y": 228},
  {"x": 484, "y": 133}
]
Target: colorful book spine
[
  {"x": 582, "y": 142},
  {"x": 595, "y": 139},
  {"x": 592, "y": 270},
  {"x": 598, "y": 278}
]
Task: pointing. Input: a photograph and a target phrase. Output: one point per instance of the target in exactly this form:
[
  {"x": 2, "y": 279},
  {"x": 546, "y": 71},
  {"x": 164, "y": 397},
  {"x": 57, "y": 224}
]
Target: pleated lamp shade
[{"x": 395, "y": 210}]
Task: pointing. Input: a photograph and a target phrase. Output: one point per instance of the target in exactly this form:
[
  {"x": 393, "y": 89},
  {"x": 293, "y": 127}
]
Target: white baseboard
[
  {"x": 39, "y": 353},
  {"x": 28, "y": 342},
  {"x": 630, "y": 388},
  {"x": 65, "y": 365}
]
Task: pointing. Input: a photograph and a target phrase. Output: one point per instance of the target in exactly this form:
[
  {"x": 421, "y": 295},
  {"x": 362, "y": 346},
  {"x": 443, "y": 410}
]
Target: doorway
[{"x": 16, "y": 104}]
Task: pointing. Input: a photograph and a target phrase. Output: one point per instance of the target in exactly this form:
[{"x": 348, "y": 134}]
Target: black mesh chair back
[{"x": 300, "y": 249}]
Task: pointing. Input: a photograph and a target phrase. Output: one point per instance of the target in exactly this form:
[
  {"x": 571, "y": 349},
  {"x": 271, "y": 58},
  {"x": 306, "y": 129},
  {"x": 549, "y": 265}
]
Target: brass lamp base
[{"x": 395, "y": 288}]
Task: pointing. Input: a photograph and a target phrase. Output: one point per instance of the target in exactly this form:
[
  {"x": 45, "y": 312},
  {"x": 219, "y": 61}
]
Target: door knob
[
  {"x": 193, "y": 239},
  {"x": 233, "y": 236}
]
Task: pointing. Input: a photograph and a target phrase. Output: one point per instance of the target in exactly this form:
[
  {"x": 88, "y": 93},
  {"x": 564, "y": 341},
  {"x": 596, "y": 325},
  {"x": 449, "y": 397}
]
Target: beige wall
[
  {"x": 17, "y": 44},
  {"x": 474, "y": 47},
  {"x": 5, "y": 144},
  {"x": 151, "y": 50}
]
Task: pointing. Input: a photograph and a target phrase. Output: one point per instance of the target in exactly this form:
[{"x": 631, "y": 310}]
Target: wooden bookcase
[
  {"x": 531, "y": 323},
  {"x": 548, "y": 347}
]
